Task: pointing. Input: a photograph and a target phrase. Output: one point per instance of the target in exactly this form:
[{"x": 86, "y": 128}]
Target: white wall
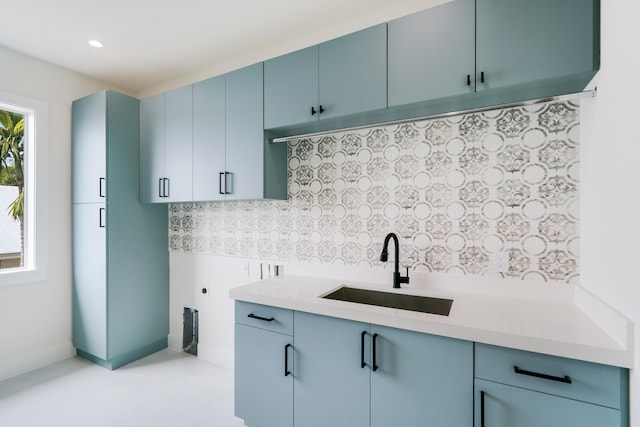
[
  {"x": 610, "y": 175},
  {"x": 35, "y": 318}
]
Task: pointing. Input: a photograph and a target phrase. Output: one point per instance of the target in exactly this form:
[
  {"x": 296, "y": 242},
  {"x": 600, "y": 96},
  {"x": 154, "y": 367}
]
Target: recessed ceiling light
[{"x": 95, "y": 43}]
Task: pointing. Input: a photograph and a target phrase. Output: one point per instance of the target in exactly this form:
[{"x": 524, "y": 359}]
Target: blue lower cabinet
[
  {"x": 420, "y": 380},
  {"x": 355, "y": 374},
  {"x": 499, "y": 405},
  {"x": 331, "y": 385},
  {"x": 263, "y": 378}
]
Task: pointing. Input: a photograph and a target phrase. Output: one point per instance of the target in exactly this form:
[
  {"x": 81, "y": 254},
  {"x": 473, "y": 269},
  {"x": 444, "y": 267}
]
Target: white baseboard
[{"x": 30, "y": 362}]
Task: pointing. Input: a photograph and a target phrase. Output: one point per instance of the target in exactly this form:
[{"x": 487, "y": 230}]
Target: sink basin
[{"x": 422, "y": 304}]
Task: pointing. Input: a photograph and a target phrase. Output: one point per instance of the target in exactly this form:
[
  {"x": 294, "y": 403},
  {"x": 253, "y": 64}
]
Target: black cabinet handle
[
  {"x": 228, "y": 183},
  {"x": 220, "y": 183},
  {"x": 165, "y": 187},
  {"x": 101, "y": 215},
  {"x": 373, "y": 350},
  {"x": 160, "y": 192},
  {"x": 266, "y": 319},
  {"x": 320, "y": 110},
  {"x": 481, "y": 408},
  {"x": 362, "y": 362},
  {"x": 566, "y": 379},
  {"x": 101, "y": 190},
  {"x": 468, "y": 79},
  {"x": 482, "y": 77},
  {"x": 286, "y": 360}
]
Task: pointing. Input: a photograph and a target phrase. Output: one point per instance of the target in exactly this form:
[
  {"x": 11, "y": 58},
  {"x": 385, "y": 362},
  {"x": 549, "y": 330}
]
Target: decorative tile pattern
[{"x": 456, "y": 191}]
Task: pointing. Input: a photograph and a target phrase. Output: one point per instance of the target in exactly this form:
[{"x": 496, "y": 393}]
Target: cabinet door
[
  {"x": 430, "y": 58},
  {"x": 245, "y": 134},
  {"x": 291, "y": 88},
  {"x": 208, "y": 138},
  {"x": 353, "y": 73},
  {"x": 89, "y": 148},
  {"x": 178, "y": 116},
  {"x": 523, "y": 41},
  {"x": 263, "y": 391},
  {"x": 90, "y": 278},
  {"x": 420, "y": 380},
  {"x": 151, "y": 149},
  {"x": 331, "y": 386},
  {"x": 507, "y": 406}
]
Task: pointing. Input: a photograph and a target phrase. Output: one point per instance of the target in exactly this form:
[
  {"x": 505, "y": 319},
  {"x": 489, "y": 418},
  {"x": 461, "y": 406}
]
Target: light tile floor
[{"x": 164, "y": 389}]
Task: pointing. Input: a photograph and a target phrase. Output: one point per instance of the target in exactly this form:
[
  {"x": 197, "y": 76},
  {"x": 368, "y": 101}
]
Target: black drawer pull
[
  {"x": 468, "y": 79},
  {"x": 266, "y": 319},
  {"x": 566, "y": 379}
]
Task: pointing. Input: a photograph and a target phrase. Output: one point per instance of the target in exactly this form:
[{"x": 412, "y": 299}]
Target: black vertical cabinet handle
[
  {"x": 566, "y": 379},
  {"x": 481, "y": 408},
  {"x": 482, "y": 77},
  {"x": 101, "y": 189},
  {"x": 373, "y": 350},
  {"x": 101, "y": 214},
  {"x": 313, "y": 111},
  {"x": 228, "y": 183},
  {"x": 160, "y": 192},
  {"x": 220, "y": 183},
  {"x": 287, "y": 372},
  {"x": 468, "y": 79},
  {"x": 321, "y": 109},
  {"x": 362, "y": 362},
  {"x": 165, "y": 187}
]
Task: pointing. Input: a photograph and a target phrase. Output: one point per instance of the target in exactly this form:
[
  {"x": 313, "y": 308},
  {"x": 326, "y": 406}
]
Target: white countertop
[{"x": 559, "y": 328}]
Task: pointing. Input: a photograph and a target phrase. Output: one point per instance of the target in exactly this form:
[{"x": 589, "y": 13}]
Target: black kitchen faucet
[{"x": 384, "y": 257}]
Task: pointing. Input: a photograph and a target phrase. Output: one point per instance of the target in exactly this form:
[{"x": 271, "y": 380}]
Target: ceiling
[{"x": 149, "y": 43}]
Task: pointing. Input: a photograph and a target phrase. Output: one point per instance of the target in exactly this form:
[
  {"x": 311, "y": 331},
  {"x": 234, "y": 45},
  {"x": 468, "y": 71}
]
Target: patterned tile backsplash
[{"x": 456, "y": 190}]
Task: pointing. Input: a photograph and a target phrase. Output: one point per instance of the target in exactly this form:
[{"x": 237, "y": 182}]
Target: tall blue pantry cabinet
[{"x": 120, "y": 251}]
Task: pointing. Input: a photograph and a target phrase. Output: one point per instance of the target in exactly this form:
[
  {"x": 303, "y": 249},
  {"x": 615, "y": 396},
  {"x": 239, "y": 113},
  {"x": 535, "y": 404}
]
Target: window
[{"x": 23, "y": 127}]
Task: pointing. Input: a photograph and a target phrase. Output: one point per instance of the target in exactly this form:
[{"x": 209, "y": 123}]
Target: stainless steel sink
[{"x": 422, "y": 304}]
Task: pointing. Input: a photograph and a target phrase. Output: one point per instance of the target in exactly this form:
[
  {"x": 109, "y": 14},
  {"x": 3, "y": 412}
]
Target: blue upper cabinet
[
  {"x": 151, "y": 148},
  {"x": 469, "y": 54},
  {"x": 291, "y": 88},
  {"x": 244, "y": 171},
  {"x": 337, "y": 78},
  {"x": 166, "y": 147},
  {"x": 353, "y": 73},
  {"x": 520, "y": 41},
  {"x": 432, "y": 53},
  {"x": 209, "y": 138},
  {"x": 205, "y": 142},
  {"x": 178, "y": 125}
]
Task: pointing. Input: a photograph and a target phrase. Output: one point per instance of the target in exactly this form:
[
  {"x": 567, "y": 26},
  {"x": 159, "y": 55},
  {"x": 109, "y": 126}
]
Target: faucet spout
[{"x": 384, "y": 257}]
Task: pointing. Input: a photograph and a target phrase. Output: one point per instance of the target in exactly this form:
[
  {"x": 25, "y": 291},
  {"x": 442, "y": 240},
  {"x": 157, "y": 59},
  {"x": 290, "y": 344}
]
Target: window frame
[{"x": 34, "y": 267}]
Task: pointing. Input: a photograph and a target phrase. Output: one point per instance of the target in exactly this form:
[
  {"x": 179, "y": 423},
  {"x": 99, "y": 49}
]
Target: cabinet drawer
[
  {"x": 589, "y": 382},
  {"x": 265, "y": 317},
  {"x": 498, "y": 405}
]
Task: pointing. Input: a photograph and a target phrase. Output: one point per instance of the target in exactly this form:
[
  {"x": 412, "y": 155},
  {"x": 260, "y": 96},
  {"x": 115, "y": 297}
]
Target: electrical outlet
[{"x": 501, "y": 262}]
